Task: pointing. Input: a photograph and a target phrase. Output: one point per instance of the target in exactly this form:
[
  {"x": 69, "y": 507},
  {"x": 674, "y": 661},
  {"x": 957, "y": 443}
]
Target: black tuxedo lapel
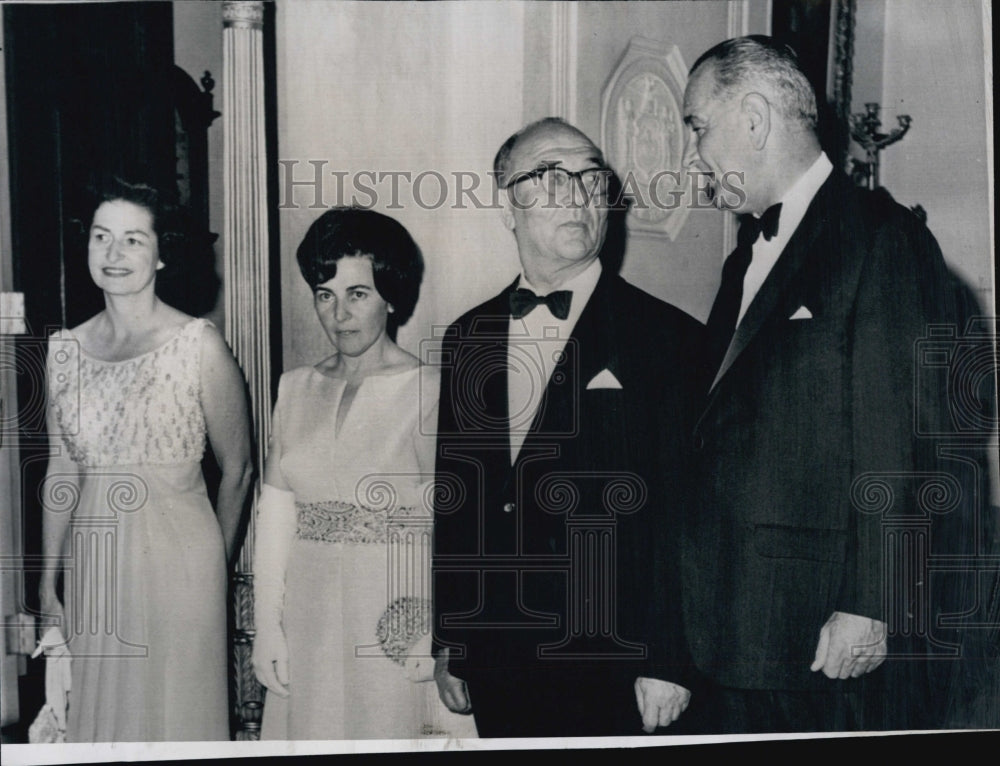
[
  {"x": 491, "y": 328},
  {"x": 595, "y": 335},
  {"x": 801, "y": 249},
  {"x": 479, "y": 389},
  {"x": 588, "y": 350}
]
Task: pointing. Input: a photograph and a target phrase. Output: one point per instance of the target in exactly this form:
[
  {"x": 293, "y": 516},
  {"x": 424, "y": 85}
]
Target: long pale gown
[
  {"x": 357, "y": 590},
  {"x": 145, "y": 574}
]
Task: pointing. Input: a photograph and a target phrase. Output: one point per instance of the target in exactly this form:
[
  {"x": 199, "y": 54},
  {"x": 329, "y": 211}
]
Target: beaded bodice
[{"x": 144, "y": 410}]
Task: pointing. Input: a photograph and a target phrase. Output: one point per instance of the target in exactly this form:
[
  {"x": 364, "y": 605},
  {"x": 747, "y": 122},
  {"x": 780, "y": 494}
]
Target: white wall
[
  {"x": 399, "y": 87},
  {"x": 934, "y": 71}
]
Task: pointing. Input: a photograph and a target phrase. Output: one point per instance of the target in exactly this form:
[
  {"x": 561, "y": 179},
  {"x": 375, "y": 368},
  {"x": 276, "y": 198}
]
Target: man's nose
[
  {"x": 691, "y": 157},
  {"x": 577, "y": 193}
]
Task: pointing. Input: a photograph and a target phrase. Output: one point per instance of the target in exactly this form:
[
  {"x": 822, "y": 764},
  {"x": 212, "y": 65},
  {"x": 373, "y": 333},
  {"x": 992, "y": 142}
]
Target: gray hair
[{"x": 761, "y": 63}]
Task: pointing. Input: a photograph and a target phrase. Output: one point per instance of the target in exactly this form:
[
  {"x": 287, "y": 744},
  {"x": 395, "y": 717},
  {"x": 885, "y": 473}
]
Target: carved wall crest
[{"x": 642, "y": 132}]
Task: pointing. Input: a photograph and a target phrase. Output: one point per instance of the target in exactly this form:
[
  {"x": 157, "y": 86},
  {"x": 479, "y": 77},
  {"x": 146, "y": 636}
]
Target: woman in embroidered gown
[
  {"x": 132, "y": 394},
  {"x": 342, "y": 554}
]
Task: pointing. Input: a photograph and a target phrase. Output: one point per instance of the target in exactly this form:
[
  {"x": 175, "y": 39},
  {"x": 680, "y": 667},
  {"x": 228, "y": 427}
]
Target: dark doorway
[
  {"x": 805, "y": 25},
  {"x": 85, "y": 91}
]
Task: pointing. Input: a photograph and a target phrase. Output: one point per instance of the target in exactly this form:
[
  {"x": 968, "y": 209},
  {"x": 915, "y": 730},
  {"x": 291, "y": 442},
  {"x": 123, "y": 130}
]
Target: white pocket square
[
  {"x": 801, "y": 313},
  {"x": 604, "y": 379}
]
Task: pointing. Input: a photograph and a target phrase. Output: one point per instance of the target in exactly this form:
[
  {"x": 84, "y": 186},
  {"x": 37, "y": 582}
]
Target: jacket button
[
  {"x": 699, "y": 442},
  {"x": 509, "y": 507}
]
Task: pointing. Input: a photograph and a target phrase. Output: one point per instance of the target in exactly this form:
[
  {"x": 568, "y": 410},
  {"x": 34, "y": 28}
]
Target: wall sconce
[{"x": 865, "y": 129}]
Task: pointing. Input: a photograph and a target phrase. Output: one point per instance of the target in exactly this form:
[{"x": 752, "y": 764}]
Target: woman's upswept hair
[{"x": 397, "y": 264}]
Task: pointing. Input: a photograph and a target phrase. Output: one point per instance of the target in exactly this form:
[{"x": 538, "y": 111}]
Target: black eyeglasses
[{"x": 557, "y": 179}]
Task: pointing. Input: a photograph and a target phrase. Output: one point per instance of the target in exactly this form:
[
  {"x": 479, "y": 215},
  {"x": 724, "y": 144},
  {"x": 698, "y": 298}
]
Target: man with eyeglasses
[{"x": 562, "y": 399}]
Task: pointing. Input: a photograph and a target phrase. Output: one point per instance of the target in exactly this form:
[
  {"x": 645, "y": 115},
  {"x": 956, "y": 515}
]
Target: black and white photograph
[{"x": 496, "y": 375}]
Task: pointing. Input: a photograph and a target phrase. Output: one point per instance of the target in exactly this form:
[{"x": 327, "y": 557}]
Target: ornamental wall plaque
[{"x": 642, "y": 132}]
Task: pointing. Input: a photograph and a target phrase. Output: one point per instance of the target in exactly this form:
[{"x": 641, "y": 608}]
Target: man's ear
[
  {"x": 757, "y": 111},
  {"x": 506, "y": 210}
]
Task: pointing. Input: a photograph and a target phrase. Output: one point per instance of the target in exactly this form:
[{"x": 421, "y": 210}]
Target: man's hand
[
  {"x": 451, "y": 690},
  {"x": 660, "y": 702},
  {"x": 850, "y": 646}
]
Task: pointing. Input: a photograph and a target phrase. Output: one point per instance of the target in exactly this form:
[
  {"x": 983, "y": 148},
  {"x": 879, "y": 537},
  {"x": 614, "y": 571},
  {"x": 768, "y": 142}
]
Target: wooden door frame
[{"x": 11, "y": 568}]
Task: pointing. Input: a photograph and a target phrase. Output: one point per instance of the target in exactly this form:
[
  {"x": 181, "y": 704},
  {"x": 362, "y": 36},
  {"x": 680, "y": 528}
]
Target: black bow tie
[
  {"x": 522, "y": 301},
  {"x": 729, "y": 299},
  {"x": 752, "y": 227}
]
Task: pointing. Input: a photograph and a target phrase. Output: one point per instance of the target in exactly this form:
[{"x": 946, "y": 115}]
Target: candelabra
[{"x": 866, "y": 130}]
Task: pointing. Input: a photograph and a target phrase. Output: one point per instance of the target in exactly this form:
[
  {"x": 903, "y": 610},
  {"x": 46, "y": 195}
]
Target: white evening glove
[
  {"x": 274, "y": 531},
  {"x": 58, "y": 681}
]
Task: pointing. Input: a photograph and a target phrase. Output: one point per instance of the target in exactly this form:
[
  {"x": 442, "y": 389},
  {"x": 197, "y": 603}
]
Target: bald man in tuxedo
[{"x": 561, "y": 444}]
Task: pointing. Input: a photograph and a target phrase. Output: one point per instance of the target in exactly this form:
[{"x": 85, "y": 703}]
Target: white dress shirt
[
  {"x": 794, "y": 204},
  {"x": 535, "y": 343}
]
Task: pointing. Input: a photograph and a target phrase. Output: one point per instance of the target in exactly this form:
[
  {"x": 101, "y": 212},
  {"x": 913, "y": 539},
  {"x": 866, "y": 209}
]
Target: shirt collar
[
  {"x": 582, "y": 285},
  {"x": 796, "y": 200}
]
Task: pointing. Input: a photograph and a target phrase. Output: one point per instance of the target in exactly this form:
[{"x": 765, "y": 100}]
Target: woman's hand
[{"x": 270, "y": 658}]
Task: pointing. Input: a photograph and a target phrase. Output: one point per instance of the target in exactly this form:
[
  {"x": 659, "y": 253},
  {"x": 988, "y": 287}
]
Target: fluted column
[
  {"x": 563, "y": 59},
  {"x": 246, "y": 274}
]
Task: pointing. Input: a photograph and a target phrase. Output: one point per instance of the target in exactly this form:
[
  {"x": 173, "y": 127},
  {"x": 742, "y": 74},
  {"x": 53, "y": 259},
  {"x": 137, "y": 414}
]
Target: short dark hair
[
  {"x": 758, "y": 60},
  {"x": 188, "y": 280},
  {"x": 503, "y": 153},
  {"x": 397, "y": 264}
]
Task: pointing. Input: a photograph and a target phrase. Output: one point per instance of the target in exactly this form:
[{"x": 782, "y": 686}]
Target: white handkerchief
[
  {"x": 801, "y": 313},
  {"x": 604, "y": 379}
]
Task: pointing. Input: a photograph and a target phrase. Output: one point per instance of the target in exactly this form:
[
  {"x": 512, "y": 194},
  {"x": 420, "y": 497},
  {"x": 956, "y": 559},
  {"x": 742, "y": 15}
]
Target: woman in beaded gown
[
  {"x": 342, "y": 553},
  {"x": 133, "y": 393}
]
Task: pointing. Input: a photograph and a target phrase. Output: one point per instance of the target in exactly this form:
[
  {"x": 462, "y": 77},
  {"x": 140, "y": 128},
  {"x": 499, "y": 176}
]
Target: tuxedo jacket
[
  {"x": 564, "y": 563},
  {"x": 808, "y": 451}
]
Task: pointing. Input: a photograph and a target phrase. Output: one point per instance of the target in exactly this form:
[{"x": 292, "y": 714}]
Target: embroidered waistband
[{"x": 336, "y": 521}]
